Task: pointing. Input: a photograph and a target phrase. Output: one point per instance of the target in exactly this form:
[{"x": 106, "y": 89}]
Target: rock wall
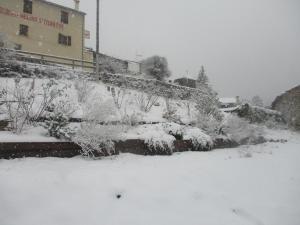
[{"x": 289, "y": 105}]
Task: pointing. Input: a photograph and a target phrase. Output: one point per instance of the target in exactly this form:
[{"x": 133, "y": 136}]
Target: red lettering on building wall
[{"x": 31, "y": 18}]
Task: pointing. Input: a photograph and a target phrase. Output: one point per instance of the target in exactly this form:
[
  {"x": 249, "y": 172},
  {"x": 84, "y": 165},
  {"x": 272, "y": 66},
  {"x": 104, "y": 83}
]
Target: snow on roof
[{"x": 227, "y": 100}]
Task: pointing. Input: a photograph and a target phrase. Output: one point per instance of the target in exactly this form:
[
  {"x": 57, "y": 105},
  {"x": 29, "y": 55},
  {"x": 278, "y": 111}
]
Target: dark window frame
[
  {"x": 64, "y": 40},
  {"x": 64, "y": 17},
  {"x": 27, "y": 6},
  {"x": 18, "y": 47},
  {"x": 23, "y": 30}
]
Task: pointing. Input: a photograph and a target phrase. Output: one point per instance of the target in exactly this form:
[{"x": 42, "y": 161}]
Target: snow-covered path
[{"x": 248, "y": 185}]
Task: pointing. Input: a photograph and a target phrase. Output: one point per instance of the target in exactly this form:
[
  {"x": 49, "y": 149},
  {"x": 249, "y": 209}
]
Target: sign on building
[{"x": 87, "y": 34}]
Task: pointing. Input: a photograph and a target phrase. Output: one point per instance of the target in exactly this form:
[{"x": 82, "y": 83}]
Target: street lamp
[{"x": 97, "y": 39}]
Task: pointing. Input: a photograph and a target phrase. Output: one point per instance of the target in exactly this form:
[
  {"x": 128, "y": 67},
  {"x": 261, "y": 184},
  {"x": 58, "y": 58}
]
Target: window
[
  {"x": 64, "y": 17},
  {"x": 64, "y": 40},
  {"x": 18, "y": 47},
  {"x": 27, "y": 7},
  {"x": 23, "y": 30}
]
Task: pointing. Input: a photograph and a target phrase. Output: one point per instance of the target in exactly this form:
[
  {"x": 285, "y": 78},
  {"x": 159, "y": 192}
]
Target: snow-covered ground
[{"x": 247, "y": 185}]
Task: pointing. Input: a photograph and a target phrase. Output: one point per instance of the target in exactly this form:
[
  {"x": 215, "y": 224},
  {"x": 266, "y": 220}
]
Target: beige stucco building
[{"x": 44, "y": 27}]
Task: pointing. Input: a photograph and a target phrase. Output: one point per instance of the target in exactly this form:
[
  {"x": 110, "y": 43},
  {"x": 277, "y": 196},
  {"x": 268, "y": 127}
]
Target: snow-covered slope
[{"x": 97, "y": 91}]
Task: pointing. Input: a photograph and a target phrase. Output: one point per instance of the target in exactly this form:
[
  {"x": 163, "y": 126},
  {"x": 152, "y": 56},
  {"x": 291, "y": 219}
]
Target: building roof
[
  {"x": 227, "y": 100},
  {"x": 184, "y": 78},
  {"x": 63, "y": 7}
]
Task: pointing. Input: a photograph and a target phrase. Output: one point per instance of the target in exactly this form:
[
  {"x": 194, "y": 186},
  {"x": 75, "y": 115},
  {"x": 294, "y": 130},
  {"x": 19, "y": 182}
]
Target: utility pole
[{"x": 97, "y": 40}]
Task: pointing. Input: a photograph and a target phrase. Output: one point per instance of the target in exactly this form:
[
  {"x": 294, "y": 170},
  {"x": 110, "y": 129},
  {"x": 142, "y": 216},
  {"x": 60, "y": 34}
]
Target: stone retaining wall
[{"x": 11, "y": 150}]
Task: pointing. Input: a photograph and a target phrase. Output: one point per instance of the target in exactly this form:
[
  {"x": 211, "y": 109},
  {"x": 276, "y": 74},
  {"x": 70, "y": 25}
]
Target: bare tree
[
  {"x": 24, "y": 104},
  {"x": 146, "y": 101}
]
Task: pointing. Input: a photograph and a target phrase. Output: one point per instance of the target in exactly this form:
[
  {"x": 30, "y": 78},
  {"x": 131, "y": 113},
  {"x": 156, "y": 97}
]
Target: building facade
[
  {"x": 187, "y": 82},
  {"x": 44, "y": 27}
]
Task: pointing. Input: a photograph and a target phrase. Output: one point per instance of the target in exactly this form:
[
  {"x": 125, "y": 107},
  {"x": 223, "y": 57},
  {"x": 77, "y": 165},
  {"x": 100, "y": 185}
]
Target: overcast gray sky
[{"x": 248, "y": 47}]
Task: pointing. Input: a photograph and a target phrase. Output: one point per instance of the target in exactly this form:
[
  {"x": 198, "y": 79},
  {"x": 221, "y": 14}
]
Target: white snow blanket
[{"x": 251, "y": 185}]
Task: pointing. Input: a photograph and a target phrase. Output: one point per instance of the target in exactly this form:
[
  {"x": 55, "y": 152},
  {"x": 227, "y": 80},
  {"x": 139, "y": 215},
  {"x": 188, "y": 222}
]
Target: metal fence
[{"x": 51, "y": 59}]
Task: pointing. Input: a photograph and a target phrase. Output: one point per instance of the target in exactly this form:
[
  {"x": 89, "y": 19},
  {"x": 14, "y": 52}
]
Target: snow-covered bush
[
  {"x": 25, "y": 103},
  {"x": 99, "y": 110},
  {"x": 159, "y": 146},
  {"x": 57, "y": 118},
  {"x": 56, "y": 124},
  {"x": 159, "y": 142},
  {"x": 131, "y": 119},
  {"x": 170, "y": 113},
  {"x": 209, "y": 115},
  {"x": 200, "y": 140},
  {"x": 95, "y": 139},
  {"x": 209, "y": 124},
  {"x": 157, "y": 137},
  {"x": 261, "y": 115},
  {"x": 174, "y": 129},
  {"x": 118, "y": 97},
  {"x": 84, "y": 88},
  {"x": 241, "y": 131}
]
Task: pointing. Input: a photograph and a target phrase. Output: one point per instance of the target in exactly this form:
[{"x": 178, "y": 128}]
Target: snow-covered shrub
[
  {"x": 84, "y": 88},
  {"x": 99, "y": 110},
  {"x": 25, "y": 103},
  {"x": 57, "y": 119},
  {"x": 209, "y": 115},
  {"x": 131, "y": 119},
  {"x": 95, "y": 139},
  {"x": 170, "y": 113},
  {"x": 200, "y": 140},
  {"x": 209, "y": 124},
  {"x": 187, "y": 104},
  {"x": 159, "y": 146},
  {"x": 241, "y": 131},
  {"x": 173, "y": 129},
  {"x": 56, "y": 124},
  {"x": 255, "y": 114},
  {"x": 157, "y": 138},
  {"x": 146, "y": 101},
  {"x": 158, "y": 141},
  {"x": 118, "y": 96}
]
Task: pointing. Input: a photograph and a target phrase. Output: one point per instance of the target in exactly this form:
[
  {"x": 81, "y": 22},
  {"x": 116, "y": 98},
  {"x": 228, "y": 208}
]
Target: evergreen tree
[{"x": 202, "y": 79}]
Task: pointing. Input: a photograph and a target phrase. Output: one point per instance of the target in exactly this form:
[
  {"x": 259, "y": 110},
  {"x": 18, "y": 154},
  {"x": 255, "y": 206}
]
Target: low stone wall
[
  {"x": 155, "y": 87},
  {"x": 11, "y": 150}
]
